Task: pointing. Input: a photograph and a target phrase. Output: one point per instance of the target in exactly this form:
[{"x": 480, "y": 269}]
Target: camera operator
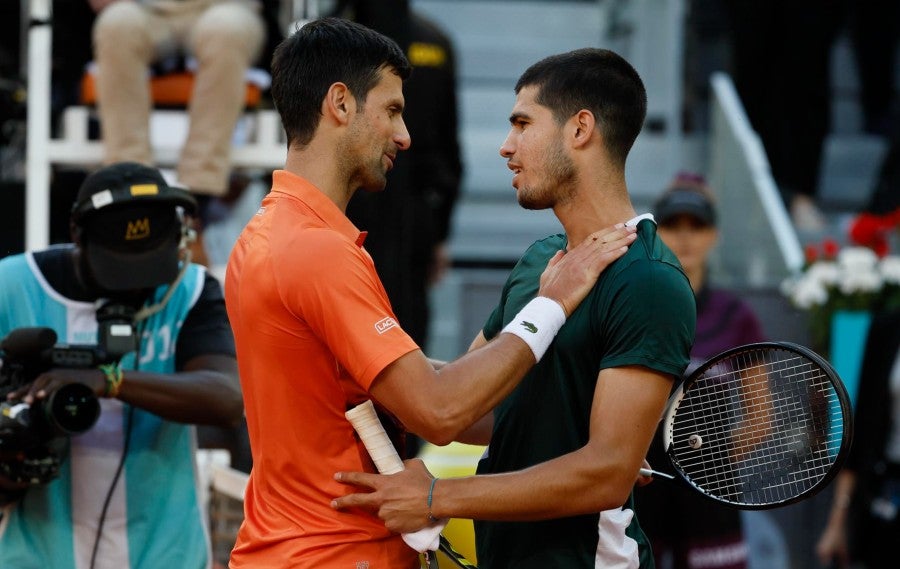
[{"x": 125, "y": 495}]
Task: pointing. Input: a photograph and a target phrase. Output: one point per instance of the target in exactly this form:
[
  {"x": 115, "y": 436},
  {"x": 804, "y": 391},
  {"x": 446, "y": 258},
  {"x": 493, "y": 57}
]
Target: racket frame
[{"x": 840, "y": 390}]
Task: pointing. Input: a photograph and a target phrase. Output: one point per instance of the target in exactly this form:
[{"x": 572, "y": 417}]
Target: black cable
[{"x": 129, "y": 420}]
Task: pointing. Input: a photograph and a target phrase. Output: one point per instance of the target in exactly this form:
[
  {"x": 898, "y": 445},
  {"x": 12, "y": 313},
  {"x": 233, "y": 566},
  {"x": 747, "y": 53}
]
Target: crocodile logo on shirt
[{"x": 529, "y": 326}]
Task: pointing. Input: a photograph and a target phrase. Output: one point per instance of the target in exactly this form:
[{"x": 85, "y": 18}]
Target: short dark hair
[
  {"x": 319, "y": 54},
  {"x": 598, "y": 80}
]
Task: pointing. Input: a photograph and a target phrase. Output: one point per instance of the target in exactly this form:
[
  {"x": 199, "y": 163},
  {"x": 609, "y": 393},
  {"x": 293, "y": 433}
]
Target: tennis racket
[
  {"x": 365, "y": 422},
  {"x": 759, "y": 426}
]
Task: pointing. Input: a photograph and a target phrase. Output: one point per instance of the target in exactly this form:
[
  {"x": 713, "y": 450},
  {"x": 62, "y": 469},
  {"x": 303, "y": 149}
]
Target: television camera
[{"x": 33, "y": 437}]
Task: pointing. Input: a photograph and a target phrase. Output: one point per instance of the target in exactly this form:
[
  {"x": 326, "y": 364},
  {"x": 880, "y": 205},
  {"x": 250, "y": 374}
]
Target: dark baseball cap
[
  {"x": 684, "y": 201},
  {"x": 130, "y": 226}
]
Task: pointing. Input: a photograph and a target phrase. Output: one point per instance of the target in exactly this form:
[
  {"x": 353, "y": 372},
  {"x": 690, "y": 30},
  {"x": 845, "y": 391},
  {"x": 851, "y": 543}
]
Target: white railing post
[
  {"x": 753, "y": 177},
  {"x": 37, "y": 171}
]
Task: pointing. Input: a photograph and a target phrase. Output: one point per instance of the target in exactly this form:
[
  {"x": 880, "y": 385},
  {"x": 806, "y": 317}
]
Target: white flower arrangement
[{"x": 853, "y": 278}]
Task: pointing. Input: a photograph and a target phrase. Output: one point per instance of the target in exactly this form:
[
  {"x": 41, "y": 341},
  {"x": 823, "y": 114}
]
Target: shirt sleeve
[
  {"x": 341, "y": 299},
  {"x": 206, "y": 330},
  {"x": 651, "y": 320}
]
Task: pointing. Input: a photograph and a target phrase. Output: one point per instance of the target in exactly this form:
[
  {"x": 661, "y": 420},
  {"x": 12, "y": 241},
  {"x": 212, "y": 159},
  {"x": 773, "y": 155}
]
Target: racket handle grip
[
  {"x": 367, "y": 425},
  {"x": 655, "y": 474}
]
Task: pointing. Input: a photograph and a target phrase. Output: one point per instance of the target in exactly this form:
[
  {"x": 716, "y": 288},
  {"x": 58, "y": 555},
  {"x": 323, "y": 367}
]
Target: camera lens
[{"x": 72, "y": 409}]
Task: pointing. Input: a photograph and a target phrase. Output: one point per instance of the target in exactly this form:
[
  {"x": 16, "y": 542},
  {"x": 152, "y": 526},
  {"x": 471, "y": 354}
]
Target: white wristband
[{"x": 537, "y": 323}]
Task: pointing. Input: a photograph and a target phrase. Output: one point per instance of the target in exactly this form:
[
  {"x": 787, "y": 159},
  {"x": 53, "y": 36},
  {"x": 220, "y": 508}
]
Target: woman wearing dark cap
[{"x": 686, "y": 530}]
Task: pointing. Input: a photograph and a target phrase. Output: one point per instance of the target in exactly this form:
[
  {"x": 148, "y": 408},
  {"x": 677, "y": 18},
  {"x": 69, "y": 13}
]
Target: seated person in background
[
  {"x": 125, "y": 496},
  {"x": 224, "y": 36},
  {"x": 685, "y": 529}
]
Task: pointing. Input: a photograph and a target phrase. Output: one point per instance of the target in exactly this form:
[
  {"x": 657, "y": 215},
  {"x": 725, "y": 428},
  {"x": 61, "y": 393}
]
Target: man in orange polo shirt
[{"x": 314, "y": 330}]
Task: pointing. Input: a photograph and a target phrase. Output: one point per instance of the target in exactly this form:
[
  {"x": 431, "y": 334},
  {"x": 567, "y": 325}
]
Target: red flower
[
  {"x": 870, "y": 230},
  {"x": 830, "y": 248},
  {"x": 881, "y": 247},
  {"x": 811, "y": 254}
]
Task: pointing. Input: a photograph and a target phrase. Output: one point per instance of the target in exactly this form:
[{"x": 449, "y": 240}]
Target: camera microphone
[{"x": 28, "y": 343}]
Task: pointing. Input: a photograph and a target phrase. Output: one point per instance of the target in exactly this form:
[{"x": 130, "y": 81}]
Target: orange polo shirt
[{"x": 313, "y": 328}]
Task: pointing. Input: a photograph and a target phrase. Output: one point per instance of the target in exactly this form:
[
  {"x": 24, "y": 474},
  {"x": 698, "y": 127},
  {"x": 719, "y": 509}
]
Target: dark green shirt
[{"x": 640, "y": 312}]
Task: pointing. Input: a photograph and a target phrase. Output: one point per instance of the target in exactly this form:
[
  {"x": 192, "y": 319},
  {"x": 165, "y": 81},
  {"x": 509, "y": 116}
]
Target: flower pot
[{"x": 849, "y": 329}]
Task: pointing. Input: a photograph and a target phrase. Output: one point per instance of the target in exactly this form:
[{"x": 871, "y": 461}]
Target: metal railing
[{"x": 758, "y": 246}]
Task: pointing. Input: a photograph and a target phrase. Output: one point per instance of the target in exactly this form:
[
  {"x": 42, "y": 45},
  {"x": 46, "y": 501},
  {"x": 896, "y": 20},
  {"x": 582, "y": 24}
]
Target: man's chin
[
  {"x": 530, "y": 204},
  {"x": 373, "y": 188},
  {"x": 375, "y": 182}
]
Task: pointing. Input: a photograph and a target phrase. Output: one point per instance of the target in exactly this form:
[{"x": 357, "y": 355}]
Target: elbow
[
  {"x": 618, "y": 480},
  {"x": 233, "y": 414},
  {"x": 226, "y": 415},
  {"x": 439, "y": 438},
  {"x": 607, "y": 498},
  {"x": 230, "y": 408},
  {"x": 622, "y": 479},
  {"x": 437, "y": 434},
  {"x": 442, "y": 425},
  {"x": 617, "y": 498}
]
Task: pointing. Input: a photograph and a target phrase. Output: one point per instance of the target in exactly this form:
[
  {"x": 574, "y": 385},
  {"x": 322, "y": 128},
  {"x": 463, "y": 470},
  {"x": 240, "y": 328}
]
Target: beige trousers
[{"x": 225, "y": 37}]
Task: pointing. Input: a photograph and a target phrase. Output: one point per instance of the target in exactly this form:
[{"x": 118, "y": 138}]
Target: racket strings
[{"x": 758, "y": 428}]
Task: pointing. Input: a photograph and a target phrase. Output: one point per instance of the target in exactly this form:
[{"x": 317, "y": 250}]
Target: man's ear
[
  {"x": 583, "y": 127},
  {"x": 339, "y": 104}
]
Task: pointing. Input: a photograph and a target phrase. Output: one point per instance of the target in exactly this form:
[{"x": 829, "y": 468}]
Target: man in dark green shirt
[
  {"x": 566, "y": 445},
  {"x": 637, "y": 315}
]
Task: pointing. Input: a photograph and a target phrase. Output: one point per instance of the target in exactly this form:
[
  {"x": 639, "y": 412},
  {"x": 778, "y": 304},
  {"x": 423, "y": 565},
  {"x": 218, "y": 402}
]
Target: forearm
[
  {"x": 471, "y": 386},
  {"x": 573, "y": 484},
  {"x": 200, "y": 396},
  {"x": 440, "y": 406},
  {"x": 598, "y": 476},
  {"x": 844, "y": 486},
  {"x": 480, "y": 432},
  {"x": 832, "y": 546}
]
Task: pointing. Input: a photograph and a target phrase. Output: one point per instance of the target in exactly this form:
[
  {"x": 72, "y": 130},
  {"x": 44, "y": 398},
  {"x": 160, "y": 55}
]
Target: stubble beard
[
  {"x": 558, "y": 186},
  {"x": 363, "y": 172},
  {"x": 371, "y": 177}
]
